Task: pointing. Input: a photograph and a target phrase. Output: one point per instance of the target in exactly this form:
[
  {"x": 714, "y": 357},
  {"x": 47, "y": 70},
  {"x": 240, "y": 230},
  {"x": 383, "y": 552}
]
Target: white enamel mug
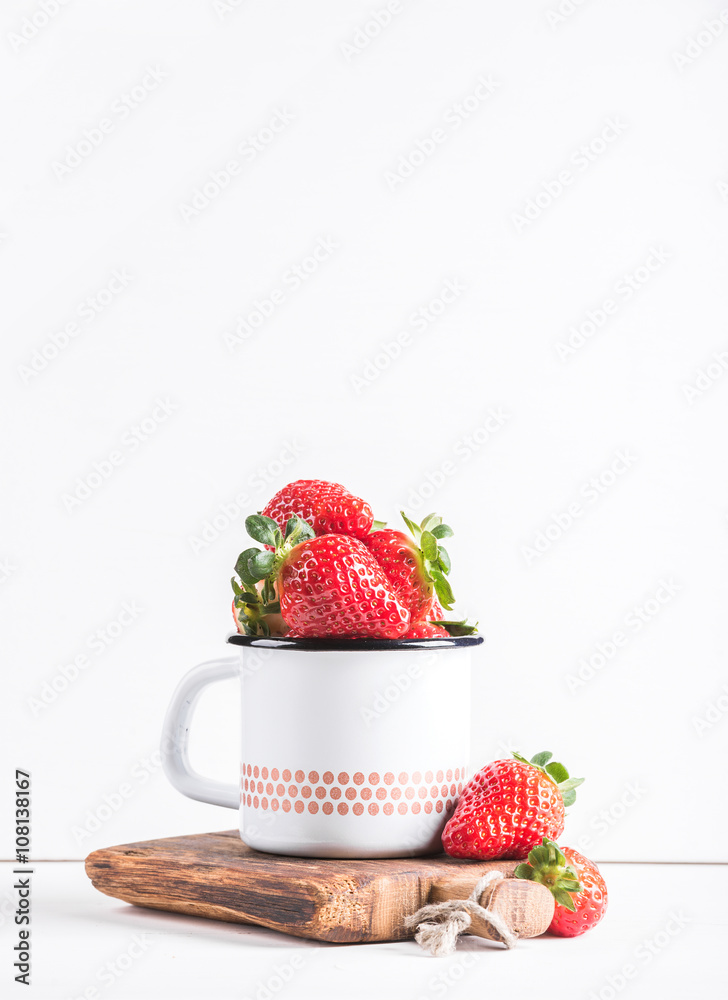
[{"x": 352, "y": 748}]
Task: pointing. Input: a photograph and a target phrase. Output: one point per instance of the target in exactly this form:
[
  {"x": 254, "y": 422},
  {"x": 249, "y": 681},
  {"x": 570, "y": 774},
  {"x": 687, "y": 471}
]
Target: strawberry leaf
[
  {"x": 570, "y": 884},
  {"x": 547, "y": 865},
  {"x": 263, "y": 529},
  {"x": 457, "y": 628},
  {"x": 428, "y": 544},
  {"x": 564, "y": 899},
  {"x": 570, "y": 783},
  {"x": 541, "y": 759},
  {"x": 443, "y": 559},
  {"x": 241, "y": 567},
  {"x": 541, "y": 856},
  {"x": 524, "y": 871},
  {"x": 557, "y": 771},
  {"x": 436, "y": 563},
  {"x": 442, "y": 589},
  {"x": 297, "y": 530},
  {"x": 260, "y": 564},
  {"x": 413, "y": 528},
  {"x": 431, "y": 522}
]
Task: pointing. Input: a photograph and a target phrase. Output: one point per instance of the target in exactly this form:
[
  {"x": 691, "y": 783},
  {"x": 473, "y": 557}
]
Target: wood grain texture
[
  {"x": 527, "y": 907},
  {"x": 216, "y": 875}
]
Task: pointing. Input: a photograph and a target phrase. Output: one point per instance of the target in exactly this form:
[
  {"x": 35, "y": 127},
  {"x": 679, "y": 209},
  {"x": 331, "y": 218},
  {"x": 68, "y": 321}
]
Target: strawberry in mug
[{"x": 329, "y": 570}]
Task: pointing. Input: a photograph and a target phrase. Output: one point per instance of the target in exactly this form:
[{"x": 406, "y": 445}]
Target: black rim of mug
[{"x": 351, "y": 645}]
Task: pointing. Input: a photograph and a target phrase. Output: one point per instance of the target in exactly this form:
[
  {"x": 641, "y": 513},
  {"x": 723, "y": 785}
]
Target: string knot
[{"x": 439, "y": 925}]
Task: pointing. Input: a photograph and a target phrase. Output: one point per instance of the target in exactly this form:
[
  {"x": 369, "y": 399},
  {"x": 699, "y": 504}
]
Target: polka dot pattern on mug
[{"x": 358, "y": 793}]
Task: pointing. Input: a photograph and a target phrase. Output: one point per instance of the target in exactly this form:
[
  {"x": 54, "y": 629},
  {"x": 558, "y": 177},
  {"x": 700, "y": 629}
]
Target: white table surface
[{"x": 666, "y": 928}]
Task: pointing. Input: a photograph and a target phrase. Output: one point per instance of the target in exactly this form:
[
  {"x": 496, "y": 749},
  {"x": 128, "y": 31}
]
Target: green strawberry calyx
[
  {"x": 434, "y": 557},
  {"x": 547, "y": 865},
  {"x": 463, "y": 627},
  {"x": 255, "y": 566},
  {"x": 557, "y": 772}
]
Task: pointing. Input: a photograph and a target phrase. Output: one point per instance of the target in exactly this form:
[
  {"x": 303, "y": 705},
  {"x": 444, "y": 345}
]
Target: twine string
[{"x": 439, "y": 925}]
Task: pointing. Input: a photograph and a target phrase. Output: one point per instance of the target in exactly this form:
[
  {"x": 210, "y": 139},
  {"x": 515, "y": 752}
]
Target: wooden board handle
[{"x": 526, "y": 907}]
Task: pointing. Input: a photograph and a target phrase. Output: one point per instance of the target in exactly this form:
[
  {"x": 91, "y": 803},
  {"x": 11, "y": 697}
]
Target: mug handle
[{"x": 176, "y": 736}]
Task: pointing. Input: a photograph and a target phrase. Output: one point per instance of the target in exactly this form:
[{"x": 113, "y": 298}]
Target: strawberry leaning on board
[
  {"x": 515, "y": 809},
  {"x": 327, "y": 569},
  {"x": 508, "y": 807},
  {"x": 575, "y": 882}
]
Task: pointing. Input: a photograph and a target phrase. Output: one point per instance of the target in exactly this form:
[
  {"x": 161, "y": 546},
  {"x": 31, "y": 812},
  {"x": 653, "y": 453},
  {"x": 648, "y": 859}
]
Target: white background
[{"x": 646, "y": 725}]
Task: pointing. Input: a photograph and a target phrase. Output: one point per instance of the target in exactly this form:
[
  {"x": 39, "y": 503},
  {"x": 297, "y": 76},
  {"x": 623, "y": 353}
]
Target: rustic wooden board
[{"x": 216, "y": 875}]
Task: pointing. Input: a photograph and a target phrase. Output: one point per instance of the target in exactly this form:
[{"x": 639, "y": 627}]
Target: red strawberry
[
  {"x": 328, "y": 507},
  {"x": 343, "y": 605},
  {"x": 576, "y": 883},
  {"x": 256, "y": 608},
  {"x": 508, "y": 807},
  {"x": 416, "y": 569},
  {"x": 333, "y": 586},
  {"x": 425, "y": 630},
  {"x": 434, "y": 612},
  {"x": 403, "y": 565}
]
